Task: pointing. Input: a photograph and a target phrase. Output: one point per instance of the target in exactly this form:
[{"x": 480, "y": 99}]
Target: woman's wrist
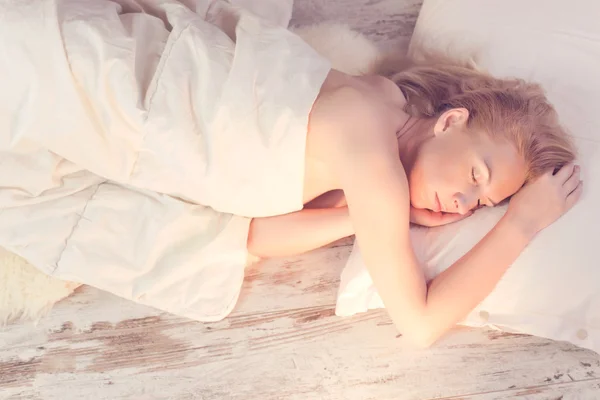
[{"x": 520, "y": 227}]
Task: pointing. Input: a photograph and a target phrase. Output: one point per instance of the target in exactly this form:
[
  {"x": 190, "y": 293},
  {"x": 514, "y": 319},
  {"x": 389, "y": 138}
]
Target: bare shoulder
[{"x": 349, "y": 120}]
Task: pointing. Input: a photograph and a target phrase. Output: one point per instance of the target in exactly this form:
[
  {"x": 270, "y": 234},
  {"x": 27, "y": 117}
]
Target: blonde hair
[{"x": 503, "y": 108}]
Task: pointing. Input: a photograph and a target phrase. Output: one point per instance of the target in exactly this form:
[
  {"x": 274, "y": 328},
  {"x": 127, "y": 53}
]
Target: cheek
[{"x": 438, "y": 172}]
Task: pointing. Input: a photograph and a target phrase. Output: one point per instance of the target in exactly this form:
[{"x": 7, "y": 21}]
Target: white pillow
[{"x": 553, "y": 289}]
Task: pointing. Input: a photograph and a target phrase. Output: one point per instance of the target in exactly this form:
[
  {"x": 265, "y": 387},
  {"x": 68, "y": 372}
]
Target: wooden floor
[{"x": 283, "y": 341}]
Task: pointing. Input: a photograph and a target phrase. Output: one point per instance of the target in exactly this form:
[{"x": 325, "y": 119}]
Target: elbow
[
  {"x": 255, "y": 249},
  {"x": 262, "y": 244},
  {"x": 259, "y": 249}
]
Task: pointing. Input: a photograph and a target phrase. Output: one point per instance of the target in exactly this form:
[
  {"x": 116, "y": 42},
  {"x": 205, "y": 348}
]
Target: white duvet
[{"x": 128, "y": 142}]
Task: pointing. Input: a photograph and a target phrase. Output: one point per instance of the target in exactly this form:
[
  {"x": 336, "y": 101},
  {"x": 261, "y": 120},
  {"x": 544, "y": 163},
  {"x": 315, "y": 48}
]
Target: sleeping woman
[{"x": 428, "y": 145}]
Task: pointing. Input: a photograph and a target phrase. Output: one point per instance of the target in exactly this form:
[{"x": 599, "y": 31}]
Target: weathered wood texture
[
  {"x": 282, "y": 342},
  {"x": 389, "y": 22}
]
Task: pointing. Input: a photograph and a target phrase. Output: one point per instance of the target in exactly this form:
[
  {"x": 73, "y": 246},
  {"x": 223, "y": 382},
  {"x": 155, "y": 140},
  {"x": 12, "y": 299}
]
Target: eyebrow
[{"x": 489, "y": 170}]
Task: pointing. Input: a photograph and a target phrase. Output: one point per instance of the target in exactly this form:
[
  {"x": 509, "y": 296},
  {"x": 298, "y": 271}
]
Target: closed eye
[{"x": 474, "y": 177}]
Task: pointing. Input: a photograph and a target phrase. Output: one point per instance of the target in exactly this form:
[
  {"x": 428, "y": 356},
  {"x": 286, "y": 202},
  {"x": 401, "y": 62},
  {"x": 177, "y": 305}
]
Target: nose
[{"x": 464, "y": 202}]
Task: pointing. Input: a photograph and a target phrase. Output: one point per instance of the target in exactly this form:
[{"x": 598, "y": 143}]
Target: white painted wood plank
[
  {"x": 98, "y": 346},
  {"x": 324, "y": 358},
  {"x": 388, "y": 22},
  {"x": 315, "y": 274},
  {"x": 273, "y": 285},
  {"x": 583, "y": 390}
]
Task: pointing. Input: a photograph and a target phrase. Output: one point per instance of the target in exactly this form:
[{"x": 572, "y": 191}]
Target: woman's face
[{"x": 457, "y": 171}]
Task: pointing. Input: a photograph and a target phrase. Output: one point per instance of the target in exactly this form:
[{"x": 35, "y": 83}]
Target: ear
[{"x": 450, "y": 120}]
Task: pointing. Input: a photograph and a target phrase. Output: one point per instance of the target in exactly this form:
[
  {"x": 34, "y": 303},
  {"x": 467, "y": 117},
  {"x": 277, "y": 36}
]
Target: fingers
[
  {"x": 572, "y": 182},
  {"x": 565, "y": 172},
  {"x": 574, "y": 196}
]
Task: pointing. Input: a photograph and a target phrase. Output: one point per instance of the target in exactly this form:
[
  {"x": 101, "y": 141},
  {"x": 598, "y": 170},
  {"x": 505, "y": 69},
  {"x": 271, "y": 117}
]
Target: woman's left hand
[{"x": 426, "y": 217}]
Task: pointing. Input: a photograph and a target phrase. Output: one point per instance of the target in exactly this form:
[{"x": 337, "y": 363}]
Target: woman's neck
[
  {"x": 413, "y": 132},
  {"x": 411, "y": 136}
]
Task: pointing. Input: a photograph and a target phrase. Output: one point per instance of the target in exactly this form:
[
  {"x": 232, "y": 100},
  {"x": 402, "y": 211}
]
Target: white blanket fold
[{"x": 135, "y": 147}]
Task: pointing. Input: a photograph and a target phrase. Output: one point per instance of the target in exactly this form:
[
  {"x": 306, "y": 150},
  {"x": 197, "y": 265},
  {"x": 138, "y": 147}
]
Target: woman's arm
[
  {"x": 378, "y": 204},
  {"x": 298, "y": 232}
]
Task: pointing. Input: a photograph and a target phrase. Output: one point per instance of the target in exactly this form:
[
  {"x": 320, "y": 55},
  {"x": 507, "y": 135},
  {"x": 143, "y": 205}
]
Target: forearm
[
  {"x": 298, "y": 232},
  {"x": 460, "y": 288}
]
